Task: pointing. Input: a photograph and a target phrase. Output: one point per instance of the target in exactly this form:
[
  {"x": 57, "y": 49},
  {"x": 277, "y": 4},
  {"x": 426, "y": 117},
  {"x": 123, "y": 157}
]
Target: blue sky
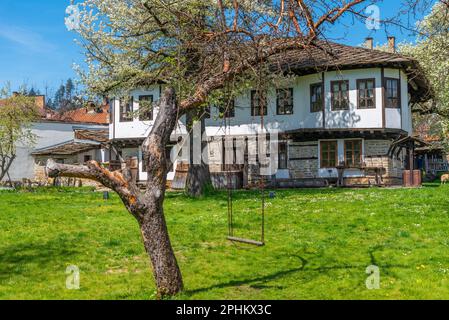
[{"x": 37, "y": 49}]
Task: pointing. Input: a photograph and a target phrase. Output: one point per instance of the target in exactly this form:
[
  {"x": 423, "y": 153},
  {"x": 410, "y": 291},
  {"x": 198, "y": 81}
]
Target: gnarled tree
[{"x": 196, "y": 48}]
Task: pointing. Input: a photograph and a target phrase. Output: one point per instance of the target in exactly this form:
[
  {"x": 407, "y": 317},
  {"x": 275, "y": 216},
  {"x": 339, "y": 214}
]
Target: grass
[{"x": 319, "y": 244}]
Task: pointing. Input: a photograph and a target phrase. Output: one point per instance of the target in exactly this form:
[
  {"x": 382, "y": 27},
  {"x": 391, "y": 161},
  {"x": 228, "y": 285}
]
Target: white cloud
[{"x": 26, "y": 38}]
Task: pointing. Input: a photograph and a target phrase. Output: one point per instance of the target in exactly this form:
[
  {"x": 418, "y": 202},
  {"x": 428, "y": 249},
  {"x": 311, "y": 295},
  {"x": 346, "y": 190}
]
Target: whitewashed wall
[
  {"x": 48, "y": 133},
  {"x": 243, "y": 123},
  {"x": 354, "y": 118},
  {"x": 136, "y": 128}
]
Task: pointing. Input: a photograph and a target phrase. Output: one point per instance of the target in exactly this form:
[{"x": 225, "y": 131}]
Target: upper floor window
[
  {"x": 328, "y": 154},
  {"x": 316, "y": 97},
  {"x": 206, "y": 112},
  {"x": 226, "y": 108},
  {"x": 126, "y": 110},
  {"x": 392, "y": 93},
  {"x": 146, "y": 108},
  {"x": 366, "y": 93},
  {"x": 258, "y": 103},
  {"x": 111, "y": 112},
  {"x": 353, "y": 153},
  {"x": 340, "y": 95},
  {"x": 284, "y": 101}
]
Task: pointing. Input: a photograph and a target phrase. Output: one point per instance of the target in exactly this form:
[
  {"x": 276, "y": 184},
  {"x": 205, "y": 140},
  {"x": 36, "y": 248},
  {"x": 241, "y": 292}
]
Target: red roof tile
[{"x": 84, "y": 115}]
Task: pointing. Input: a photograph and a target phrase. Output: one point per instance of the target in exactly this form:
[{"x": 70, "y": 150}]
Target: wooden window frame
[
  {"x": 141, "y": 116},
  {"x": 227, "y": 108},
  {"x": 322, "y": 166},
  {"x": 289, "y": 106},
  {"x": 333, "y": 98},
  {"x": 285, "y": 151},
  {"x": 366, "y": 99},
  {"x": 253, "y": 107},
  {"x": 313, "y": 86},
  {"x": 88, "y": 157},
  {"x": 126, "y": 116},
  {"x": 386, "y": 93},
  {"x": 111, "y": 111},
  {"x": 360, "y": 161},
  {"x": 207, "y": 112}
]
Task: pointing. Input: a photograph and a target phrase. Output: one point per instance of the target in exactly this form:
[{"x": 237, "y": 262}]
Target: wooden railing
[{"x": 437, "y": 165}]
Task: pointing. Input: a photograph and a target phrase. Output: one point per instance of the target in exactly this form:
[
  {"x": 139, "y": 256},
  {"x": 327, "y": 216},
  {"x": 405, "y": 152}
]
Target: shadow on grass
[
  {"x": 255, "y": 282},
  {"x": 235, "y": 283},
  {"x": 19, "y": 259}
]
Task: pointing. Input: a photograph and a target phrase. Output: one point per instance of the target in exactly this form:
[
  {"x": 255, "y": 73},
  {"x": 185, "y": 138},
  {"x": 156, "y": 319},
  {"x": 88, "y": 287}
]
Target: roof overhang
[{"x": 68, "y": 148}]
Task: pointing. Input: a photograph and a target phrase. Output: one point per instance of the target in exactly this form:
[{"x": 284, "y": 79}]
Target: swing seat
[{"x": 247, "y": 241}]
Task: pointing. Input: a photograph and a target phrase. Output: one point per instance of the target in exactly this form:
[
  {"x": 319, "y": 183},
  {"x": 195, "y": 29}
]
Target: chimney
[
  {"x": 40, "y": 102},
  {"x": 369, "y": 43},
  {"x": 392, "y": 44}
]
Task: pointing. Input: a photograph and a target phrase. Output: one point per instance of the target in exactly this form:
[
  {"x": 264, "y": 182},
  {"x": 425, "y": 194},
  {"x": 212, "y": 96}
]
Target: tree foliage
[
  {"x": 16, "y": 115},
  {"x": 432, "y": 51}
]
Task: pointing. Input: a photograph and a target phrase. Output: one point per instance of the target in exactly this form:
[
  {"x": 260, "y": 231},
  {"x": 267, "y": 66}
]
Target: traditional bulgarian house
[{"x": 338, "y": 115}]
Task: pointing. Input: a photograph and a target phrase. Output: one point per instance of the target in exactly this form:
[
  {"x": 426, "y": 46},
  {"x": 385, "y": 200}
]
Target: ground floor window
[
  {"x": 283, "y": 157},
  {"x": 328, "y": 154},
  {"x": 353, "y": 153},
  {"x": 87, "y": 158}
]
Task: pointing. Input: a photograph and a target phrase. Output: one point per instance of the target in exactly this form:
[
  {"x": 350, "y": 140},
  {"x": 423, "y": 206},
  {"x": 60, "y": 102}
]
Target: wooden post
[
  {"x": 411, "y": 161},
  {"x": 426, "y": 163}
]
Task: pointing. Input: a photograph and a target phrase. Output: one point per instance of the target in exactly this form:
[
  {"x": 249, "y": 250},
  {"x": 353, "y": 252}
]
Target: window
[
  {"x": 329, "y": 154},
  {"x": 126, "y": 110},
  {"x": 392, "y": 93},
  {"x": 111, "y": 111},
  {"x": 258, "y": 103},
  {"x": 282, "y": 156},
  {"x": 146, "y": 108},
  {"x": 340, "y": 95},
  {"x": 316, "y": 97},
  {"x": 353, "y": 153},
  {"x": 144, "y": 163},
  {"x": 366, "y": 93},
  {"x": 284, "y": 101},
  {"x": 206, "y": 112},
  {"x": 226, "y": 109},
  {"x": 87, "y": 158}
]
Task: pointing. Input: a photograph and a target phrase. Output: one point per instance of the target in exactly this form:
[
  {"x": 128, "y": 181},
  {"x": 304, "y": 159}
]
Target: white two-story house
[{"x": 337, "y": 116}]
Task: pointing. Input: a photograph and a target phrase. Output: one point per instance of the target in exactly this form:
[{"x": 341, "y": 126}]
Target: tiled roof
[
  {"x": 84, "y": 115},
  {"x": 327, "y": 56},
  {"x": 93, "y": 135},
  {"x": 68, "y": 148}
]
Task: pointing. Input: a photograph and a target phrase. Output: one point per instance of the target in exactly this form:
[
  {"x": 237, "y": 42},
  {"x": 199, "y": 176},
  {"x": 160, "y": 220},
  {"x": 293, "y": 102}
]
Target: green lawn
[{"x": 319, "y": 243}]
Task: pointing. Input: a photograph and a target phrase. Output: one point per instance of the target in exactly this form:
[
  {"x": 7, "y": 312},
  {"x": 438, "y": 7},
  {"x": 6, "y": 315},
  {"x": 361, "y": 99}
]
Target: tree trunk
[
  {"x": 198, "y": 175},
  {"x": 6, "y": 165},
  {"x": 153, "y": 227},
  {"x": 146, "y": 208}
]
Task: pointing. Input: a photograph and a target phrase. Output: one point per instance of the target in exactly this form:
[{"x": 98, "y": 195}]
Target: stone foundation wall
[
  {"x": 303, "y": 160},
  {"x": 303, "y": 164},
  {"x": 376, "y": 156}
]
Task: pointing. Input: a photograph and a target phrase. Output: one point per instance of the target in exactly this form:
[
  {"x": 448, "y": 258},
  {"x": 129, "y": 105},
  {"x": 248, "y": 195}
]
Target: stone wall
[
  {"x": 303, "y": 159},
  {"x": 376, "y": 156}
]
